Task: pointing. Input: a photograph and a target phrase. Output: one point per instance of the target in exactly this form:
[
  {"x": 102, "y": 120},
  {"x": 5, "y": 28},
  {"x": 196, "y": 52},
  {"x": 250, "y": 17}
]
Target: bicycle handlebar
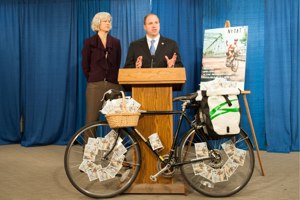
[{"x": 111, "y": 94}]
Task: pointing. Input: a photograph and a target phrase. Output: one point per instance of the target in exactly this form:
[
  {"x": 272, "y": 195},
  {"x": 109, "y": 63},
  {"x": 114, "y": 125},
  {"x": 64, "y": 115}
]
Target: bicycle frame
[
  {"x": 202, "y": 168},
  {"x": 183, "y": 116},
  {"x": 216, "y": 167}
]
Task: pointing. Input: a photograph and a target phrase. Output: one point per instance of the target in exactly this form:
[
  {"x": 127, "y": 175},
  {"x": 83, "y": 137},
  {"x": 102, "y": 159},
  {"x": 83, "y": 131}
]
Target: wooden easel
[{"x": 244, "y": 93}]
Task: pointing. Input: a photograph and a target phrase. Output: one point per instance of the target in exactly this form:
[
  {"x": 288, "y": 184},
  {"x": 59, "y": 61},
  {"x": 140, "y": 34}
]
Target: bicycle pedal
[{"x": 153, "y": 178}]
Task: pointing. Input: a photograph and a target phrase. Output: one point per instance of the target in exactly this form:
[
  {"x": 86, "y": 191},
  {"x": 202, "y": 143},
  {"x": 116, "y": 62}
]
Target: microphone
[{"x": 152, "y": 61}]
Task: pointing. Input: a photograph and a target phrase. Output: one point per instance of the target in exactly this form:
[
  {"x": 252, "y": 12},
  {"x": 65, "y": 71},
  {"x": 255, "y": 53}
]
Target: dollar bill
[
  {"x": 207, "y": 172},
  {"x": 86, "y": 165},
  {"x": 117, "y": 161},
  {"x": 92, "y": 172},
  {"x": 229, "y": 148},
  {"x": 198, "y": 168},
  {"x": 90, "y": 152},
  {"x": 239, "y": 156},
  {"x": 155, "y": 142},
  {"x": 219, "y": 175},
  {"x": 230, "y": 167},
  {"x": 103, "y": 175},
  {"x": 120, "y": 149},
  {"x": 103, "y": 144},
  {"x": 93, "y": 141},
  {"x": 132, "y": 105},
  {"x": 111, "y": 170},
  {"x": 201, "y": 150}
]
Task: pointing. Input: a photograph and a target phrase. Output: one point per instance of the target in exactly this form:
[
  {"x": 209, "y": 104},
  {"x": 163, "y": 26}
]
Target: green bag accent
[{"x": 218, "y": 110}]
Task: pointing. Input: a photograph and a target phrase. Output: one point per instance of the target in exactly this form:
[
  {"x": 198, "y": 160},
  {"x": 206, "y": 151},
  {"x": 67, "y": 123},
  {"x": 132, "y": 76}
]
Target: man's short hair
[{"x": 145, "y": 18}]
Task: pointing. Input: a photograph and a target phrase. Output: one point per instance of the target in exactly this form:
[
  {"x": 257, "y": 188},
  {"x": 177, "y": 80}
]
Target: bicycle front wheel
[
  {"x": 235, "y": 65},
  {"x": 228, "y": 169},
  {"x": 101, "y": 164}
]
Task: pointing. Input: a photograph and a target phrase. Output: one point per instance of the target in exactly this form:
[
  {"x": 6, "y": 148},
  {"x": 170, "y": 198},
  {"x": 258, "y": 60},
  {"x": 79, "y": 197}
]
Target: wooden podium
[{"x": 152, "y": 88}]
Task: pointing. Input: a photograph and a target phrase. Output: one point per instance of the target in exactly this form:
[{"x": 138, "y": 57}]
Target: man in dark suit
[{"x": 153, "y": 50}]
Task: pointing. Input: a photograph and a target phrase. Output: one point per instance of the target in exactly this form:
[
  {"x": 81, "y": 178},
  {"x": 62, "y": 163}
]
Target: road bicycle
[
  {"x": 204, "y": 174},
  {"x": 233, "y": 62}
]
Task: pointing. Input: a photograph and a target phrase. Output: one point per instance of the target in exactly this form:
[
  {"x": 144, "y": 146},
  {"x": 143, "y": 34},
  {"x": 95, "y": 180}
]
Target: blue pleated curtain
[
  {"x": 48, "y": 61},
  {"x": 38, "y": 69},
  {"x": 10, "y": 67},
  {"x": 282, "y": 75},
  {"x": 42, "y": 80}
]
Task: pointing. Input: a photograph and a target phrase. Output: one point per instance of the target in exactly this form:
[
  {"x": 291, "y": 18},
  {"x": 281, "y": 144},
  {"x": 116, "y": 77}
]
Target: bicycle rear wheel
[
  {"x": 223, "y": 176},
  {"x": 104, "y": 171}
]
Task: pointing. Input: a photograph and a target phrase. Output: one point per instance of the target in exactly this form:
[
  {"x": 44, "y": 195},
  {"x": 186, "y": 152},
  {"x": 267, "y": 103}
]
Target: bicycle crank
[
  {"x": 168, "y": 173},
  {"x": 154, "y": 177}
]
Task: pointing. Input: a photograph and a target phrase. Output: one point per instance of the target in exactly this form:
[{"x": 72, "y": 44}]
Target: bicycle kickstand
[{"x": 154, "y": 177}]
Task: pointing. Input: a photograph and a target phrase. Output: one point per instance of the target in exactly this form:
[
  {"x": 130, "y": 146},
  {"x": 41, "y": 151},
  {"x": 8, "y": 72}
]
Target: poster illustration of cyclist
[{"x": 224, "y": 55}]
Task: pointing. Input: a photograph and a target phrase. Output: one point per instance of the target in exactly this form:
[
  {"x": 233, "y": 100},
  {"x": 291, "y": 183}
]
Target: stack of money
[
  {"x": 115, "y": 106},
  {"x": 92, "y": 149}
]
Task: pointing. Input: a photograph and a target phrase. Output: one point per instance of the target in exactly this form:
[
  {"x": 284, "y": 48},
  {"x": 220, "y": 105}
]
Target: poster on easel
[{"x": 224, "y": 56}]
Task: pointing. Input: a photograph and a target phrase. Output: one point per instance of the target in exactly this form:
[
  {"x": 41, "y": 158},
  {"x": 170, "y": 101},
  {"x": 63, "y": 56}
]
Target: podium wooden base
[{"x": 157, "y": 188}]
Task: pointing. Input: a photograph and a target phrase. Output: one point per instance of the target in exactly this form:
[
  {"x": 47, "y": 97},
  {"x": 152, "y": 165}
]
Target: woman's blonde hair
[{"x": 95, "y": 25}]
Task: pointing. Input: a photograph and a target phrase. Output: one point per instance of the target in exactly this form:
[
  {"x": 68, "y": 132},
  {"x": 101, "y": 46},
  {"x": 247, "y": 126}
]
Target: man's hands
[
  {"x": 171, "y": 62},
  {"x": 139, "y": 61}
]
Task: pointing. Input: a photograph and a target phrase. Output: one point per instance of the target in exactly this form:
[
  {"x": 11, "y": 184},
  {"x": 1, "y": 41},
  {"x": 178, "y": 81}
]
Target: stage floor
[{"x": 37, "y": 173}]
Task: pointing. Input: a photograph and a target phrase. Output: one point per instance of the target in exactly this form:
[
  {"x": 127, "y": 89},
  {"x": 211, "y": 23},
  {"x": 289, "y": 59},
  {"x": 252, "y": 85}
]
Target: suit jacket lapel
[
  {"x": 96, "y": 42},
  {"x": 144, "y": 47},
  {"x": 109, "y": 42},
  {"x": 160, "y": 48}
]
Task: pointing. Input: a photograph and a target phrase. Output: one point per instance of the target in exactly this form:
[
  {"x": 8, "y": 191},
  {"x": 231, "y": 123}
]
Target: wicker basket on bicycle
[{"x": 124, "y": 118}]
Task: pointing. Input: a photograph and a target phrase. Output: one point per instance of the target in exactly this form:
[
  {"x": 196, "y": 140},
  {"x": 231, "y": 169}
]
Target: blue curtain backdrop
[
  {"x": 282, "y": 75},
  {"x": 48, "y": 69},
  {"x": 40, "y": 61},
  {"x": 38, "y": 71},
  {"x": 10, "y": 66}
]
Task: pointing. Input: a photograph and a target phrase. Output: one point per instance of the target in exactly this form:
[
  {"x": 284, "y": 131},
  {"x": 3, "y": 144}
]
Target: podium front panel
[{"x": 154, "y": 98}]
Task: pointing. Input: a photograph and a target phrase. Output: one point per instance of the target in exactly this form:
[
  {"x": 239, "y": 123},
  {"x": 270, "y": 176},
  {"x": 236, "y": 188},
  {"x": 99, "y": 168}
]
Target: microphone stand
[{"x": 152, "y": 61}]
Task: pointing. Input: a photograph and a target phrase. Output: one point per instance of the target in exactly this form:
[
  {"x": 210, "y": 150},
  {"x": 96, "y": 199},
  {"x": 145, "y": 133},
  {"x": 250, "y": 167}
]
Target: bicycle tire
[
  {"x": 235, "y": 65},
  {"x": 204, "y": 180},
  {"x": 112, "y": 184}
]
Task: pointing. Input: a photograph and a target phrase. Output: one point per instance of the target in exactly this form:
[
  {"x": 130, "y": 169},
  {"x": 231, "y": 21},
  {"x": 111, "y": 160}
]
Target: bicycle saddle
[{"x": 191, "y": 96}]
